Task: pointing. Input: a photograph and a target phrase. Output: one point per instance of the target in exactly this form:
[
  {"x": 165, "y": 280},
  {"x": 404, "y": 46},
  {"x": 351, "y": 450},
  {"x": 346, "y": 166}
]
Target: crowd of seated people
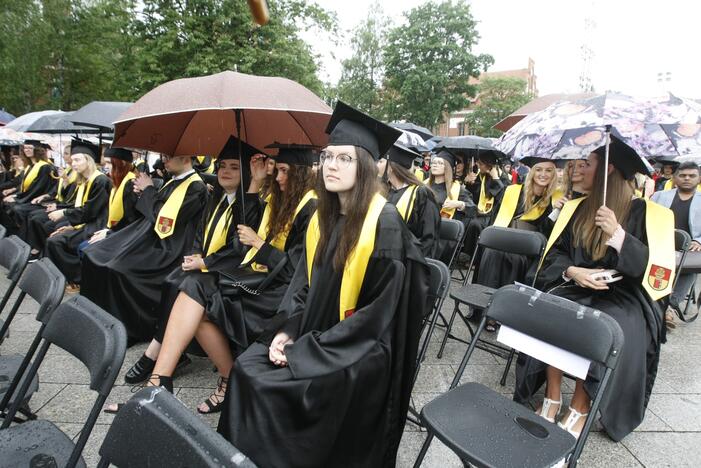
[{"x": 301, "y": 272}]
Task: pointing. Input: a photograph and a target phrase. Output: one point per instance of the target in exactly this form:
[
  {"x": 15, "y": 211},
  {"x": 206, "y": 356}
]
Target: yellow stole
[
  {"x": 72, "y": 176},
  {"x": 507, "y": 209},
  {"x": 83, "y": 193},
  {"x": 32, "y": 174},
  {"x": 357, "y": 262},
  {"x": 210, "y": 168},
  {"x": 419, "y": 174},
  {"x": 218, "y": 237},
  {"x": 405, "y": 205},
  {"x": 454, "y": 194},
  {"x": 486, "y": 202},
  {"x": 669, "y": 185},
  {"x": 116, "y": 211},
  {"x": 168, "y": 214},
  {"x": 659, "y": 227},
  {"x": 281, "y": 238}
]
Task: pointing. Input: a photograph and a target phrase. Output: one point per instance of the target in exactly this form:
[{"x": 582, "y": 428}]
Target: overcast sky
[{"x": 632, "y": 41}]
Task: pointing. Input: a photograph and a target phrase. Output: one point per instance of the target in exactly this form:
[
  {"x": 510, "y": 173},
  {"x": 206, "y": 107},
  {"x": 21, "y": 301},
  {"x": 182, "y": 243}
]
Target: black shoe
[{"x": 140, "y": 371}]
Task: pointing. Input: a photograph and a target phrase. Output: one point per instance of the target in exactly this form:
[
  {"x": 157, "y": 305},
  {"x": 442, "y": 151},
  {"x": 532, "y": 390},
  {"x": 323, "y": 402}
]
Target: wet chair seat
[{"x": 51, "y": 447}]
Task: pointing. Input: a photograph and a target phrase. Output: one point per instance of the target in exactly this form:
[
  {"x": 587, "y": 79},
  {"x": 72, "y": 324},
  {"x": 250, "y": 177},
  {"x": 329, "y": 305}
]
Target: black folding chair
[
  {"x": 45, "y": 284},
  {"x": 14, "y": 254},
  {"x": 99, "y": 341},
  {"x": 487, "y": 429},
  {"x": 450, "y": 235},
  {"x": 506, "y": 240},
  {"x": 3, "y": 231},
  {"x": 437, "y": 292},
  {"x": 682, "y": 242},
  {"x": 155, "y": 429}
]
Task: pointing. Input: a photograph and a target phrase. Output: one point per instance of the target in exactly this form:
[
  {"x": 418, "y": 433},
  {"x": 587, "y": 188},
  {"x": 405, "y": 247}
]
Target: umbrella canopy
[
  {"x": 469, "y": 145},
  {"x": 194, "y": 116},
  {"x": 5, "y": 117},
  {"x": 538, "y": 104},
  {"x": 59, "y": 123},
  {"x": 100, "y": 114},
  {"x": 23, "y": 122},
  {"x": 412, "y": 141},
  {"x": 423, "y": 132}
]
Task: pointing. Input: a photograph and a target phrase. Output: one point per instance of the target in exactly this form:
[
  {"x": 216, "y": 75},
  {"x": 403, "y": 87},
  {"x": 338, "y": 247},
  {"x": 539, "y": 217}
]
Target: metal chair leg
[
  {"x": 447, "y": 330},
  {"x": 510, "y": 359},
  {"x": 424, "y": 449}
]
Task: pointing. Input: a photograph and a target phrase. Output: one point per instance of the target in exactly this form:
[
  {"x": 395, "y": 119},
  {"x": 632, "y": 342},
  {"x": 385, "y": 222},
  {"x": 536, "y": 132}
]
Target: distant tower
[{"x": 585, "y": 83}]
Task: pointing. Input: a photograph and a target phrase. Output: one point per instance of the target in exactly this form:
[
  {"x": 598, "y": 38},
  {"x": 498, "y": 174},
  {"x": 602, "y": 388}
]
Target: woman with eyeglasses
[{"x": 329, "y": 386}]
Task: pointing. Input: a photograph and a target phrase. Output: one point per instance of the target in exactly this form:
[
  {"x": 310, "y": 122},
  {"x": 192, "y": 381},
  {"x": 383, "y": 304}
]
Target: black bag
[{"x": 247, "y": 280}]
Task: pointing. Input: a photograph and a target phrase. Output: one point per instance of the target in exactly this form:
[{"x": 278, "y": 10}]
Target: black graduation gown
[
  {"x": 342, "y": 400},
  {"x": 35, "y": 225},
  {"x": 124, "y": 273},
  {"x": 129, "y": 201},
  {"x": 62, "y": 248},
  {"x": 43, "y": 183},
  {"x": 424, "y": 220},
  {"x": 201, "y": 286},
  {"x": 243, "y": 317},
  {"x": 476, "y": 225},
  {"x": 209, "y": 178},
  {"x": 464, "y": 217},
  {"x": 497, "y": 269},
  {"x": 640, "y": 318}
]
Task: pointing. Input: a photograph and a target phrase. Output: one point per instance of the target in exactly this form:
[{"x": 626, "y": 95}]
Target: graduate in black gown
[
  {"x": 123, "y": 273},
  {"x": 225, "y": 324},
  {"x": 216, "y": 247},
  {"x": 89, "y": 213},
  {"x": 617, "y": 236},
  {"x": 333, "y": 386},
  {"x": 415, "y": 202},
  {"x": 11, "y": 176}
]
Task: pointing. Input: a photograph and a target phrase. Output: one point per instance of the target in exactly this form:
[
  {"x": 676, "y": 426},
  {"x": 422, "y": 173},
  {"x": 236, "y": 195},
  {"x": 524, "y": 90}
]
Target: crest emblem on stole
[
  {"x": 658, "y": 277},
  {"x": 165, "y": 225}
]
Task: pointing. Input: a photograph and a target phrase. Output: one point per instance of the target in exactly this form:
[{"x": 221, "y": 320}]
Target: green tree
[
  {"x": 429, "y": 62},
  {"x": 361, "y": 78},
  {"x": 498, "y": 97}
]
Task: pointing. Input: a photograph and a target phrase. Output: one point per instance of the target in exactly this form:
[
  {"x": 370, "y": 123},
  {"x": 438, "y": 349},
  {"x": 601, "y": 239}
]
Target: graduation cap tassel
[
  {"x": 606, "y": 161},
  {"x": 242, "y": 183}
]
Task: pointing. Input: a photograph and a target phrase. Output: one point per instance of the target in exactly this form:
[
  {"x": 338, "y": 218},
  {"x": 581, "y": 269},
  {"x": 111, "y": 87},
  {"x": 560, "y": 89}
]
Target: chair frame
[
  {"x": 683, "y": 242},
  {"x": 14, "y": 274}
]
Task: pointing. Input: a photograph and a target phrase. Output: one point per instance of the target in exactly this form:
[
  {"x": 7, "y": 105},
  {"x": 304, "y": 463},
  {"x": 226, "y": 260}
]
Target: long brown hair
[
  {"x": 120, "y": 169},
  {"x": 282, "y": 205},
  {"x": 619, "y": 196},
  {"x": 329, "y": 210},
  {"x": 448, "y": 174},
  {"x": 530, "y": 199},
  {"x": 40, "y": 154}
]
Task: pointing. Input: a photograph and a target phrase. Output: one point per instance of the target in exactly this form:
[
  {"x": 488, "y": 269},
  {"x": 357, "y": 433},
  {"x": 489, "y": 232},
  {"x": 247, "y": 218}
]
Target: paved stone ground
[{"x": 669, "y": 436}]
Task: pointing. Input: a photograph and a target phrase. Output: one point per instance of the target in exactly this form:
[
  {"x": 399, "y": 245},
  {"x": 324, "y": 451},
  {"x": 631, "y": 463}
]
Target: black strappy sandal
[
  {"x": 215, "y": 402},
  {"x": 163, "y": 381}
]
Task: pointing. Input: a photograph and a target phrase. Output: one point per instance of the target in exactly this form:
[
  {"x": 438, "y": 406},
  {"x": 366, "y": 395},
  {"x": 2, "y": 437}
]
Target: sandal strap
[
  {"x": 572, "y": 418},
  {"x": 545, "y": 408}
]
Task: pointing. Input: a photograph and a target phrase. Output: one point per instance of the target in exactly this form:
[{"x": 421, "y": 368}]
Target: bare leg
[
  {"x": 552, "y": 392},
  {"x": 153, "y": 349},
  {"x": 182, "y": 326},
  {"x": 216, "y": 345},
  {"x": 581, "y": 403}
]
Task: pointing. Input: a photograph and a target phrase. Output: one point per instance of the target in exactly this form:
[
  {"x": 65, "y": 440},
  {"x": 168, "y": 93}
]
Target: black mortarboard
[
  {"x": 532, "y": 161},
  {"x": 623, "y": 157},
  {"x": 349, "y": 126},
  {"x": 488, "y": 157},
  {"x": 231, "y": 150},
  {"x": 38, "y": 144},
  {"x": 446, "y": 154},
  {"x": 402, "y": 155},
  {"x": 79, "y": 146},
  {"x": 119, "y": 153},
  {"x": 299, "y": 155}
]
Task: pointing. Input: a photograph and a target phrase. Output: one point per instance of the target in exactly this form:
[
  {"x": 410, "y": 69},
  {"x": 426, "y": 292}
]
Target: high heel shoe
[
  {"x": 164, "y": 381},
  {"x": 545, "y": 409},
  {"x": 572, "y": 419},
  {"x": 215, "y": 401}
]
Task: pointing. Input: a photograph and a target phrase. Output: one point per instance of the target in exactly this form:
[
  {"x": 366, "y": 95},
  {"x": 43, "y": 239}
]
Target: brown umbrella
[
  {"x": 194, "y": 116},
  {"x": 538, "y": 104}
]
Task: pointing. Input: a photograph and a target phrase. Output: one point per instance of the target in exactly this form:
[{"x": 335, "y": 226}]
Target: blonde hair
[
  {"x": 529, "y": 199},
  {"x": 91, "y": 165},
  {"x": 619, "y": 196},
  {"x": 448, "y": 175}
]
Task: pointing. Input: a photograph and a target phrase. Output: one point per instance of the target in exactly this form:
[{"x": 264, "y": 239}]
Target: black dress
[
  {"x": 640, "y": 318},
  {"x": 62, "y": 248},
  {"x": 424, "y": 220},
  {"x": 124, "y": 273},
  {"x": 342, "y": 400},
  {"x": 243, "y": 317},
  {"x": 202, "y": 286}
]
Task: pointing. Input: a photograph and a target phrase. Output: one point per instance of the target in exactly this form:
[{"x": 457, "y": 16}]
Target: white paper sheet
[{"x": 545, "y": 352}]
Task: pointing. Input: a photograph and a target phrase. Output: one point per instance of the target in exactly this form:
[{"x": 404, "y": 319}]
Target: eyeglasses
[{"x": 343, "y": 160}]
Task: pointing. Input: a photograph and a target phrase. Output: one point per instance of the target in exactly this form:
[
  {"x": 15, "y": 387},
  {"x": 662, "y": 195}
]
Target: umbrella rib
[
  {"x": 183, "y": 133},
  {"x": 300, "y": 126}
]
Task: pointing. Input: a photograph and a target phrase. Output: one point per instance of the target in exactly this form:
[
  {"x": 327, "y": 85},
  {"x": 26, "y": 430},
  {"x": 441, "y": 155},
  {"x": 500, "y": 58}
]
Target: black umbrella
[
  {"x": 58, "y": 123},
  {"x": 100, "y": 114},
  {"x": 423, "y": 132}
]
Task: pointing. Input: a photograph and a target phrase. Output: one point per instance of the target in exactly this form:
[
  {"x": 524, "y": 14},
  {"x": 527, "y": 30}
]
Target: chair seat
[
  {"x": 8, "y": 369},
  {"x": 35, "y": 443},
  {"x": 486, "y": 429},
  {"x": 474, "y": 295}
]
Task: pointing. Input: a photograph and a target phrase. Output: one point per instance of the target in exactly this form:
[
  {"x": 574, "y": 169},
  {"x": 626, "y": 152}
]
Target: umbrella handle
[{"x": 606, "y": 161}]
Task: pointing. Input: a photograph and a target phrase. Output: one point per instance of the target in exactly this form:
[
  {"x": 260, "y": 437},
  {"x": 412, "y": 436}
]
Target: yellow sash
[
  {"x": 565, "y": 214},
  {"x": 116, "y": 212},
  {"x": 357, "y": 262},
  {"x": 557, "y": 194},
  {"x": 72, "y": 176},
  {"x": 453, "y": 195},
  {"x": 32, "y": 174},
  {"x": 83, "y": 193},
  {"x": 168, "y": 215},
  {"x": 281, "y": 238},
  {"x": 419, "y": 174},
  {"x": 508, "y": 206},
  {"x": 210, "y": 168},
  {"x": 486, "y": 202},
  {"x": 405, "y": 205}
]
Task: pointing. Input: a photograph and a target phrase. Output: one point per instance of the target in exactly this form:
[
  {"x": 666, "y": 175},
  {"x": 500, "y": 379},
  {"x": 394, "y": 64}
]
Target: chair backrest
[
  {"x": 158, "y": 430},
  {"x": 3, "y": 231},
  {"x": 14, "y": 254},
  {"x": 551, "y": 319},
  {"x": 44, "y": 283},
  {"x": 682, "y": 240},
  {"x": 93, "y": 336},
  {"x": 516, "y": 241},
  {"x": 439, "y": 281},
  {"x": 450, "y": 233}
]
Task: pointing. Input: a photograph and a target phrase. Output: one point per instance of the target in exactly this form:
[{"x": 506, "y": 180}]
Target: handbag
[{"x": 247, "y": 280}]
